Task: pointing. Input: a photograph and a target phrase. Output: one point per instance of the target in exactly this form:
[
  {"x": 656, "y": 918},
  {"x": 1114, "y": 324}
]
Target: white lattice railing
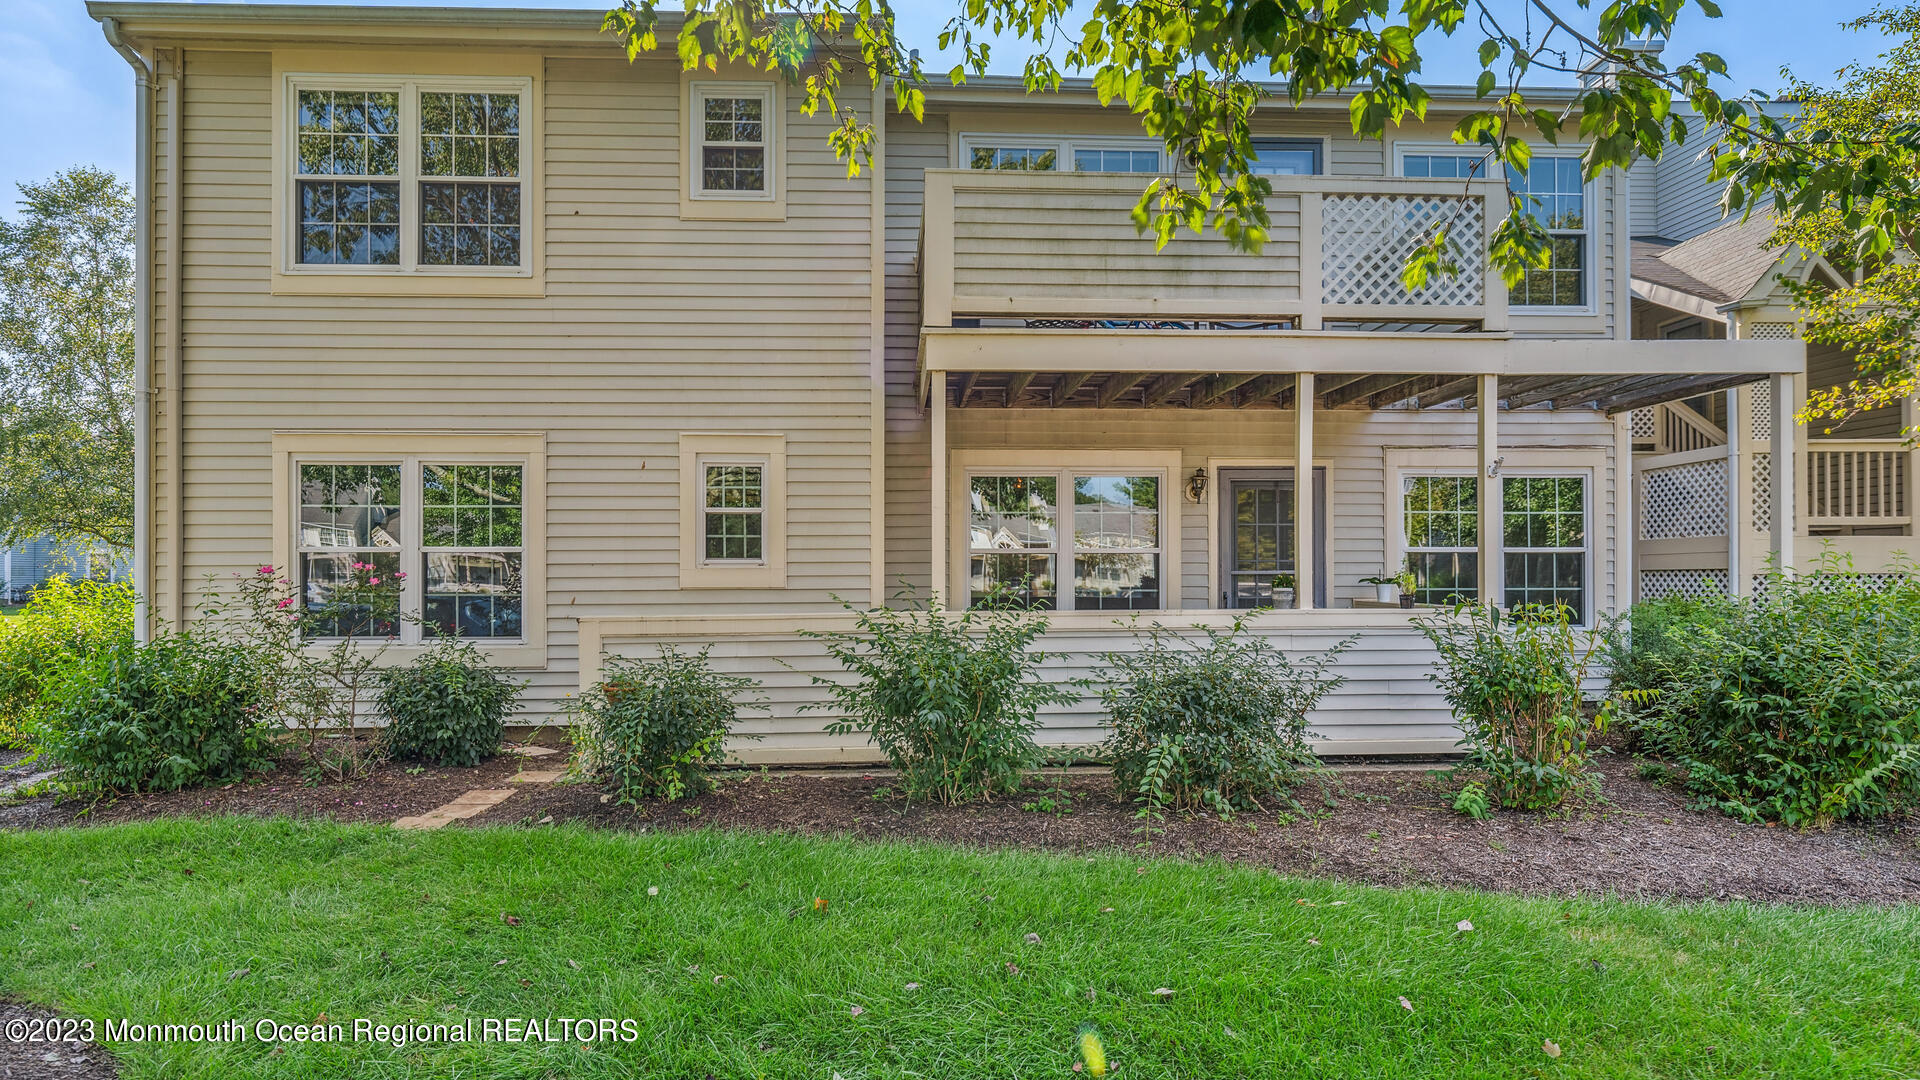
[
  {"x": 1062, "y": 245},
  {"x": 1857, "y": 482},
  {"x": 1684, "y": 500}
]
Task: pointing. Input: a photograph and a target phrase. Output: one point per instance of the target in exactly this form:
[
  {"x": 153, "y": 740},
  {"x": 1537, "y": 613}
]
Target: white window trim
[
  {"x": 409, "y": 87},
  {"x": 1588, "y": 191},
  {"x": 1063, "y": 147},
  {"x": 1164, "y": 465},
  {"x": 697, "y": 95},
  {"x": 1588, "y": 464},
  {"x": 410, "y": 449},
  {"x": 700, "y": 205},
  {"x": 700, "y": 449}
]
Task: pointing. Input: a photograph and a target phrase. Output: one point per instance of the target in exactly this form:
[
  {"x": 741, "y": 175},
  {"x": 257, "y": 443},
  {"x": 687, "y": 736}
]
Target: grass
[{"x": 148, "y": 923}]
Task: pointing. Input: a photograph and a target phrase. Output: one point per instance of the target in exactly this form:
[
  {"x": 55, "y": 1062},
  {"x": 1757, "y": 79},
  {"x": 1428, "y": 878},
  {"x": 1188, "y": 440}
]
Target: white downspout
[{"x": 142, "y": 323}]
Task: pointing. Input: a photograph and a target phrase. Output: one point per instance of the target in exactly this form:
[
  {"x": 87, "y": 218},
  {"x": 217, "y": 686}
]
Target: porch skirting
[{"x": 1385, "y": 706}]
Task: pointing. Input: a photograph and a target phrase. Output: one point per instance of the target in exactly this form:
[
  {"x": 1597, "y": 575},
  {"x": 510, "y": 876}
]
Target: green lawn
[{"x": 365, "y": 922}]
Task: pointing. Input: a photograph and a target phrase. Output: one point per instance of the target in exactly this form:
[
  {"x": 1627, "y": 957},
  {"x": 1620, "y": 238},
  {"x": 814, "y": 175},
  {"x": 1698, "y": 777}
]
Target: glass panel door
[{"x": 1258, "y": 537}]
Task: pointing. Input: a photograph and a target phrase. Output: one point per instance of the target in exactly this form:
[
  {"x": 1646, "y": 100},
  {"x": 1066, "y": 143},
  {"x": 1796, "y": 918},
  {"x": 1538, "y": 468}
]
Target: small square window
[{"x": 732, "y": 142}]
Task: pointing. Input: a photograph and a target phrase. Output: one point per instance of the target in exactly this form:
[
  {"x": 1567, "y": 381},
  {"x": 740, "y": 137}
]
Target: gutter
[{"x": 142, "y": 325}]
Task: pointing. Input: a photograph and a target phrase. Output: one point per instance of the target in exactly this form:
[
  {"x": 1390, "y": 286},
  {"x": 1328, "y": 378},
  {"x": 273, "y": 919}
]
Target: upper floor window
[
  {"x": 733, "y": 140},
  {"x": 1027, "y": 153},
  {"x": 408, "y": 175},
  {"x": 1555, "y": 197},
  {"x": 1285, "y": 157}
]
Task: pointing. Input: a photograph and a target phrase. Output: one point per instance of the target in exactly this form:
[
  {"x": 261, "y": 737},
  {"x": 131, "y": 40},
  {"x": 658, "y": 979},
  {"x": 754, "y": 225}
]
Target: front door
[{"x": 1258, "y": 537}]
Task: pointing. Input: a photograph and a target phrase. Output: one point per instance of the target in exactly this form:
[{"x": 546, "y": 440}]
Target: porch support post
[
  {"x": 1739, "y": 429},
  {"x": 1492, "y": 578},
  {"x": 1303, "y": 526},
  {"x": 937, "y": 512},
  {"x": 1784, "y": 481}
]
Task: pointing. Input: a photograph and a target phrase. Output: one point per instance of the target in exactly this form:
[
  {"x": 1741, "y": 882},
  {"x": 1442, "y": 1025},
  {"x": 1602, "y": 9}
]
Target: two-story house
[{"x": 606, "y": 355}]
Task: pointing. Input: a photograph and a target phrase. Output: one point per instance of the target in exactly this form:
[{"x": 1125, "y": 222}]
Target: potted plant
[
  {"x": 1283, "y": 591},
  {"x": 1407, "y": 583},
  {"x": 1382, "y": 587}
]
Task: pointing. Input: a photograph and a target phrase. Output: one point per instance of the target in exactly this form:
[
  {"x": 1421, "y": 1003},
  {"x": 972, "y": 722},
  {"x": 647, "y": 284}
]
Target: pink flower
[
  {"x": 264, "y": 570},
  {"x": 373, "y": 581},
  {"x": 399, "y": 575},
  {"x": 286, "y": 602}
]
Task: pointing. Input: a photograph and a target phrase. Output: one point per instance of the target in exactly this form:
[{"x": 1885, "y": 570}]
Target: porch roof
[{"x": 1227, "y": 369}]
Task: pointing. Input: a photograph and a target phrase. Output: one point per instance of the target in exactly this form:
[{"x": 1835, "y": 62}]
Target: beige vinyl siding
[
  {"x": 650, "y": 326},
  {"x": 911, "y": 150},
  {"x": 163, "y": 203}
]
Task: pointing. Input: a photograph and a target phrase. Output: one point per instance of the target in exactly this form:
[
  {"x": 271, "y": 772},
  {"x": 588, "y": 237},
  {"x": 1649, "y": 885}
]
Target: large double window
[
  {"x": 1554, "y": 196},
  {"x": 1543, "y": 535},
  {"x": 411, "y": 547},
  {"x": 1103, "y": 530},
  {"x": 398, "y": 174},
  {"x": 1047, "y": 153}
]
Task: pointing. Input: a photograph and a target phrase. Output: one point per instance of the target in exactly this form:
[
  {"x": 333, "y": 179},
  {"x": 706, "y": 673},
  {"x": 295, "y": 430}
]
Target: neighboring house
[
  {"x": 30, "y": 564},
  {"x": 1855, "y": 486},
  {"x": 606, "y": 355}
]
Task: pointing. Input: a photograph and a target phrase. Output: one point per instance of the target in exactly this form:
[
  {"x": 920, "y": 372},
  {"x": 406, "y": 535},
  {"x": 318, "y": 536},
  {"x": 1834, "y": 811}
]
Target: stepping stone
[
  {"x": 532, "y": 751},
  {"x": 536, "y": 776},
  {"x": 466, "y": 806}
]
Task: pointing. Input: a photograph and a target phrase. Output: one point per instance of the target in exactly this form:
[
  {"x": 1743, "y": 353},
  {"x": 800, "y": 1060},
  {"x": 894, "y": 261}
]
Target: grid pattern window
[
  {"x": 734, "y": 142},
  {"x": 1013, "y": 543},
  {"x": 1014, "y": 158},
  {"x": 348, "y": 551},
  {"x": 470, "y": 190},
  {"x": 1115, "y": 160},
  {"x": 1544, "y": 533},
  {"x": 1441, "y": 518},
  {"x": 733, "y": 527},
  {"x": 472, "y": 550},
  {"x": 1555, "y": 197},
  {"x": 1116, "y": 543},
  {"x": 1285, "y": 157},
  {"x": 347, "y": 160},
  {"x": 408, "y": 175}
]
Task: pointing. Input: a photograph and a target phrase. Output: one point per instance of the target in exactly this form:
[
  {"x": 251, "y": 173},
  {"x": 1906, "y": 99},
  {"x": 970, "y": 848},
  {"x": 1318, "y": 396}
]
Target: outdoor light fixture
[{"x": 1197, "y": 485}]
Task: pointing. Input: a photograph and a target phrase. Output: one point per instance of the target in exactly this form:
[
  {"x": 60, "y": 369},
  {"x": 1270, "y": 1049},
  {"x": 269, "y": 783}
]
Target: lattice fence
[
  {"x": 1684, "y": 501},
  {"x": 1877, "y": 582},
  {"x": 1761, "y": 407},
  {"x": 1762, "y": 492},
  {"x": 1365, "y": 239},
  {"x": 1660, "y": 584},
  {"x": 1770, "y": 331},
  {"x": 1642, "y": 425}
]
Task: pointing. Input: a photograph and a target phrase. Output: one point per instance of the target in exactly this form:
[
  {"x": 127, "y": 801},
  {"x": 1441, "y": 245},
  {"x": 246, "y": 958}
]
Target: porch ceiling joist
[
  {"x": 1362, "y": 389},
  {"x": 1017, "y": 385},
  {"x": 1264, "y": 388},
  {"x": 1116, "y": 385},
  {"x": 1411, "y": 388},
  {"x": 1280, "y": 352},
  {"x": 1067, "y": 385},
  {"x": 1164, "y": 387},
  {"x": 1447, "y": 392},
  {"x": 1588, "y": 391},
  {"x": 967, "y": 382},
  {"x": 1217, "y": 388},
  {"x": 1699, "y": 384},
  {"x": 1540, "y": 390}
]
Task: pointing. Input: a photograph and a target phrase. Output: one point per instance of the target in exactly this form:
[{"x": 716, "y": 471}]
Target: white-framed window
[
  {"x": 733, "y": 511},
  {"x": 732, "y": 141},
  {"x": 439, "y": 542},
  {"x": 1286, "y": 157},
  {"x": 1054, "y": 153},
  {"x": 1022, "y": 535},
  {"x": 1545, "y": 544},
  {"x": 407, "y": 175},
  {"x": 1555, "y": 197}
]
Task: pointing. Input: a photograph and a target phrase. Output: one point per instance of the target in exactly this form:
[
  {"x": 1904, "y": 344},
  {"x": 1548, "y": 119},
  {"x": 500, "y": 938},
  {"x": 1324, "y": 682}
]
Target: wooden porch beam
[
  {"x": 967, "y": 381},
  {"x": 1068, "y": 385},
  {"x": 1118, "y": 383},
  {"x": 1547, "y": 389},
  {"x": 1262, "y": 388},
  {"x": 1017, "y": 384},
  {"x": 1394, "y": 395},
  {"x": 1215, "y": 387},
  {"x": 1580, "y": 395},
  {"x": 1447, "y": 392},
  {"x": 1704, "y": 384},
  {"x": 1361, "y": 389},
  {"x": 1164, "y": 387}
]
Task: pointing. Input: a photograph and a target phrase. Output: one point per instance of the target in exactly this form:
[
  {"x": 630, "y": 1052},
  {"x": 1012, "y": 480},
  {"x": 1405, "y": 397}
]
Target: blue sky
[{"x": 67, "y": 99}]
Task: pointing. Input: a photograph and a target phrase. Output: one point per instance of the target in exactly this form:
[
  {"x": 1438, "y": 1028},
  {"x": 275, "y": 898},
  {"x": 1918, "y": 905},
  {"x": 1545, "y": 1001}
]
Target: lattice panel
[
  {"x": 1660, "y": 584},
  {"x": 1642, "y": 425},
  {"x": 1762, "y": 492},
  {"x": 1760, "y": 404},
  {"x": 1879, "y": 582},
  {"x": 1684, "y": 501},
  {"x": 1770, "y": 331},
  {"x": 1365, "y": 239}
]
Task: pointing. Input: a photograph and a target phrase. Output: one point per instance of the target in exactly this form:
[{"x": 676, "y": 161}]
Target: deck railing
[
  {"x": 1858, "y": 482},
  {"x": 1043, "y": 246}
]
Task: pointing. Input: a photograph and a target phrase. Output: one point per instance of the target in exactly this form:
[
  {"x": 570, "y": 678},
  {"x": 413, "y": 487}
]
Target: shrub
[
  {"x": 1659, "y": 640},
  {"x": 66, "y": 620},
  {"x": 654, "y": 727},
  {"x": 1219, "y": 723},
  {"x": 172, "y": 713},
  {"x": 952, "y": 699},
  {"x": 1514, "y": 686},
  {"x": 448, "y": 707},
  {"x": 1802, "y": 702}
]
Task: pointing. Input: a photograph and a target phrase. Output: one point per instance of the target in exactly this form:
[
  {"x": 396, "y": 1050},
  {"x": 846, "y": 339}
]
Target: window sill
[{"x": 403, "y": 283}]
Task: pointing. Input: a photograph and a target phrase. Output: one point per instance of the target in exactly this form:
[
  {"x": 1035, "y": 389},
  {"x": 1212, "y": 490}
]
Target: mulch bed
[
  {"x": 1387, "y": 827},
  {"x": 49, "y": 1060}
]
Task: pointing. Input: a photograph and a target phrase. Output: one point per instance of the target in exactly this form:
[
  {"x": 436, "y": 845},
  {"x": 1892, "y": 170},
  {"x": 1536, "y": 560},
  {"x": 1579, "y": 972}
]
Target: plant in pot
[
  {"x": 1407, "y": 583},
  {"x": 1382, "y": 587},
  {"x": 1283, "y": 591}
]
